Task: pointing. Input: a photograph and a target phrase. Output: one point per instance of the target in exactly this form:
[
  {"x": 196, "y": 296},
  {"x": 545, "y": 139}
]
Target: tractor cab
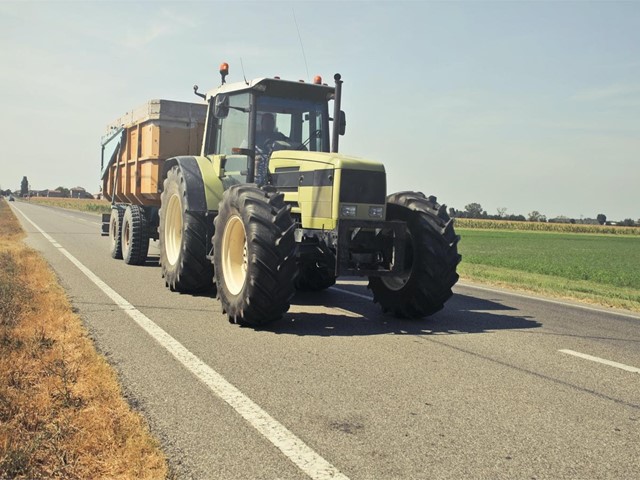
[{"x": 247, "y": 121}]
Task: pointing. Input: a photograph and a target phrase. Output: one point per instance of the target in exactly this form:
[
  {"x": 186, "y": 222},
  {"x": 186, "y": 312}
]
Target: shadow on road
[{"x": 329, "y": 314}]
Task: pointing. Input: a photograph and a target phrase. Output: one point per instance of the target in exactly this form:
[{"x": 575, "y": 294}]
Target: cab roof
[{"x": 277, "y": 87}]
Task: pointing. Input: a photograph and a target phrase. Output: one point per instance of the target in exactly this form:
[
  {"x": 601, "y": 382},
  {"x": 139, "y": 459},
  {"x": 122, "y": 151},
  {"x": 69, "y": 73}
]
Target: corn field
[{"x": 544, "y": 227}]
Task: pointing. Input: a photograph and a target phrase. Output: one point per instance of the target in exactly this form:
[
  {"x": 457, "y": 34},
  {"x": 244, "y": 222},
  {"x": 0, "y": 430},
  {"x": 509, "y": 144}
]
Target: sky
[{"x": 518, "y": 105}]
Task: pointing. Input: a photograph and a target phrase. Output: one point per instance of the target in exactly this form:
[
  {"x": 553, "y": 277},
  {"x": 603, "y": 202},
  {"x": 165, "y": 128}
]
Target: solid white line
[
  {"x": 359, "y": 295},
  {"x": 621, "y": 366},
  {"x": 289, "y": 444},
  {"x": 548, "y": 300}
]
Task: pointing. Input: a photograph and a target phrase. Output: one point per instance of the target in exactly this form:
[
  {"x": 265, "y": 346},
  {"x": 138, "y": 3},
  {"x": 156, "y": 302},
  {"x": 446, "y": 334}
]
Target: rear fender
[{"x": 204, "y": 187}]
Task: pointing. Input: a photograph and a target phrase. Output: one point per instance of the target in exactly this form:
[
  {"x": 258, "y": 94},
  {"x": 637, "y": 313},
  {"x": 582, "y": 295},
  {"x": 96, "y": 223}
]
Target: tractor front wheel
[
  {"x": 254, "y": 254},
  {"x": 314, "y": 277},
  {"x": 431, "y": 258}
]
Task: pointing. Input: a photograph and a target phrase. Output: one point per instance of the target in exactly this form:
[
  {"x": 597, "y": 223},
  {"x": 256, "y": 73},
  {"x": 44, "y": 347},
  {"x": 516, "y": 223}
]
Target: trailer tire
[
  {"x": 431, "y": 258},
  {"x": 135, "y": 235},
  {"x": 183, "y": 238},
  {"x": 115, "y": 229},
  {"x": 254, "y": 254}
]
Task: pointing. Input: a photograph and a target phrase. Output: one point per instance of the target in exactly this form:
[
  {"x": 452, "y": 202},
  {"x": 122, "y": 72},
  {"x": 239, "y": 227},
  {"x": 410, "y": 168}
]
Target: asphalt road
[{"x": 494, "y": 386}]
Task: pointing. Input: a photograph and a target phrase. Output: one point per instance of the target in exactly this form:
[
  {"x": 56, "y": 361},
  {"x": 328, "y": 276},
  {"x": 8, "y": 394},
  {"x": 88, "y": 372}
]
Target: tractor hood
[{"x": 304, "y": 161}]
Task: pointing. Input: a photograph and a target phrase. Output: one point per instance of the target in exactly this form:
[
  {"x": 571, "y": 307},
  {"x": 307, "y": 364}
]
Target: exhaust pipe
[{"x": 336, "y": 113}]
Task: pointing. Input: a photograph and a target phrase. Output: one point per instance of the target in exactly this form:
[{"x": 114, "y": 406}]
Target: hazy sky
[{"x": 523, "y": 105}]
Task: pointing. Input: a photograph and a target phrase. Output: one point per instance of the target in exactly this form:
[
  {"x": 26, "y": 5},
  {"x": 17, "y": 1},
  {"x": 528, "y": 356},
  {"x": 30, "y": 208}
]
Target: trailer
[{"x": 134, "y": 150}]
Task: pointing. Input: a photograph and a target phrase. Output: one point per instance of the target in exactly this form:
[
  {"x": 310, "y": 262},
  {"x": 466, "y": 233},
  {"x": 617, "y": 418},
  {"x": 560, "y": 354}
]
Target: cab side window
[{"x": 233, "y": 131}]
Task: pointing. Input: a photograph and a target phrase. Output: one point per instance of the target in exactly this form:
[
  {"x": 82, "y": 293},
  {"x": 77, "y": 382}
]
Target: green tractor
[{"x": 270, "y": 206}]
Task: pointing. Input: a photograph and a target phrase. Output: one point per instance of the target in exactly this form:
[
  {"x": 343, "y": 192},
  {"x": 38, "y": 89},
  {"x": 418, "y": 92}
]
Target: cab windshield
[{"x": 295, "y": 124}]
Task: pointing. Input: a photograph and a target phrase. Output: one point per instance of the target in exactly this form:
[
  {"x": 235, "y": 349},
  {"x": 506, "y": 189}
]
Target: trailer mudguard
[{"x": 204, "y": 187}]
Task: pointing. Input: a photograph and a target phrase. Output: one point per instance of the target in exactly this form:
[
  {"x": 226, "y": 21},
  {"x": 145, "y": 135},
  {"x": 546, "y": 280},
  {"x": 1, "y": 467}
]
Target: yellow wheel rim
[
  {"x": 234, "y": 255},
  {"x": 173, "y": 229}
]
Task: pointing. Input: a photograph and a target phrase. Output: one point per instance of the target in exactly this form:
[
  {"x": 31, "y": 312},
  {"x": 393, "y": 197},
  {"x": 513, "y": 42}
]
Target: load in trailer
[{"x": 267, "y": 205}]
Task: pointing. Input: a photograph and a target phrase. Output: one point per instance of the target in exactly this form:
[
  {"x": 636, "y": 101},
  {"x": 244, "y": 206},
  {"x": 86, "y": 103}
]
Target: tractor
[{"x": 269, "y": 207}]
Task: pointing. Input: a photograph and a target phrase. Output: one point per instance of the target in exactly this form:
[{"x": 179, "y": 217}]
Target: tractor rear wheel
[
  {"x": 431, "y": 258},
  {"x": 254, "y": 254},
  {"x": 135, "y": 235},
  {"x": 183, "y": 238},
  {"x": 115, "y": 231}
]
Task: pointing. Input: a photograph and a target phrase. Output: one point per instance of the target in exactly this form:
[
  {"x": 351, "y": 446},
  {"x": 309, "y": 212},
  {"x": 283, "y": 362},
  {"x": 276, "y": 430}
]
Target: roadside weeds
[{"x": 62, "y": 413}]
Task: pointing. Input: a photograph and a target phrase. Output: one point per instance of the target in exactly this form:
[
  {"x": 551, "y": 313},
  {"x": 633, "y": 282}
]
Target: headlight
[
  {"x": 376, "y": 212},
  {"x": 347, "y": 210}
]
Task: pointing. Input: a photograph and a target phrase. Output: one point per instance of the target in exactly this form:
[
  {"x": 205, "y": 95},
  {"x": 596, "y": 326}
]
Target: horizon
[{"x": 523, "y": 106}]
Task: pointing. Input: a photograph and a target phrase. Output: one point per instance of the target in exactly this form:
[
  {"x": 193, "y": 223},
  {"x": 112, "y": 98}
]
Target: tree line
[{"x": 475, "y": 210}]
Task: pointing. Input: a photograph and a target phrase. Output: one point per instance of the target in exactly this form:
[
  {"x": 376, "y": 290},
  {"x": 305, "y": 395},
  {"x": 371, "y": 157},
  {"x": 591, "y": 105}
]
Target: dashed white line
[
  {"x": 289, "y": 444},
  {"x": 604, "y": 361}
]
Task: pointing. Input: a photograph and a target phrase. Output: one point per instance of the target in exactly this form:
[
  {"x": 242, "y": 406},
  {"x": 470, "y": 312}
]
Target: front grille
[{"x": 362, "y": 186}]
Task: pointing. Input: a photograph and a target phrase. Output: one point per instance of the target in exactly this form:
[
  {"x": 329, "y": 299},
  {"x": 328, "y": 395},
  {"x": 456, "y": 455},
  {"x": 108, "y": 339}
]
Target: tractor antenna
[
  {"x": 243, "y": 75},
  {"x": 301, "y": 45}
]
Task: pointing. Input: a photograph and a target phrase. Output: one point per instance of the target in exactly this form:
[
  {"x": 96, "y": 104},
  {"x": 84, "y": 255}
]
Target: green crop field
[{"x": 598, "y": 268}]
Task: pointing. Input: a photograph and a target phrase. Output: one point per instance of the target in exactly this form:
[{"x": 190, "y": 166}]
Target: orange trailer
[{"x": 137, "y": 144}]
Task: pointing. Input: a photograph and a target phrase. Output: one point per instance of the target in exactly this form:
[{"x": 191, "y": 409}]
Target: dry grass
[
  {"x": 62, "y": 414},
  {"x": 82, "y": 204}
]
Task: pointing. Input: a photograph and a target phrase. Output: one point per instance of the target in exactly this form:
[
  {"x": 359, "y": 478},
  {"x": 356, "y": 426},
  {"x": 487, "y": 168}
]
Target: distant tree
[
  {"x": 65, "y": 191},
  {"x": 474, "y": 210},
  {"x": 627, "y": 222},
  {"x": 24, "y": 187},
  {"x": 602, "y": 218},
  {"x": 502, "y": 212},
  {"x": 536, "y": 216}
]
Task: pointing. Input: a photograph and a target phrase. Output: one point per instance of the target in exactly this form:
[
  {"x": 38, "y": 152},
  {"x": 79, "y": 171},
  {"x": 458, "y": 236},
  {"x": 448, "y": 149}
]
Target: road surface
[{"x": 494, "y": 386}]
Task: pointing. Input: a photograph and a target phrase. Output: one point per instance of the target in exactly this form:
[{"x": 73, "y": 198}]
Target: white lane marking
[
  {"x": 289, "y": 444},
  {"x": 321, "y": 309},
  {"x": 548, "y": 300},
  {"x": 604, "y": 361},
  {"x": 359, "y": 295}
]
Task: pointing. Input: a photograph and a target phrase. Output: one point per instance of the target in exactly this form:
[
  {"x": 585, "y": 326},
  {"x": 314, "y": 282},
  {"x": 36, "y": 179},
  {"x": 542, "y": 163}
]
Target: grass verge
[
  {"x": 82, "y": 204},
  {"x": 62, "y": 413},
  {"x": 597, "y": 269}
]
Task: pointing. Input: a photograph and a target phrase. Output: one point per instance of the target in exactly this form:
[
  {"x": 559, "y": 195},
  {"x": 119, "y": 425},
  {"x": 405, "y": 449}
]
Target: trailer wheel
[
  {"x": 135, "y": 235},
  {"x": 183, "y": 238},
  {"x": 115, "y": 229},
  {"x": 254, "y": 254},
  {"x": 431, "y": 258}
]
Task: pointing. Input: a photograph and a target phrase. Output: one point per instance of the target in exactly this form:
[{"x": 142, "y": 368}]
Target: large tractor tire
[
  {"x": 431, "y": 258},
  {"x": 313, "y": 277},
  {"x": 183, "y": 239},
  {"x": 254, "y": 255},
  {"x": 135, "y": 235},
  {"x": 115, "y": 231}
]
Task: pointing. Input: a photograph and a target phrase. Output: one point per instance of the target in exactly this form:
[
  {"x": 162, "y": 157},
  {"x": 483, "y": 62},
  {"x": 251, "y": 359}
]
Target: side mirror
[
  {"x": 343, "y": 123},
  {"x": 221, "y": 107}
]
